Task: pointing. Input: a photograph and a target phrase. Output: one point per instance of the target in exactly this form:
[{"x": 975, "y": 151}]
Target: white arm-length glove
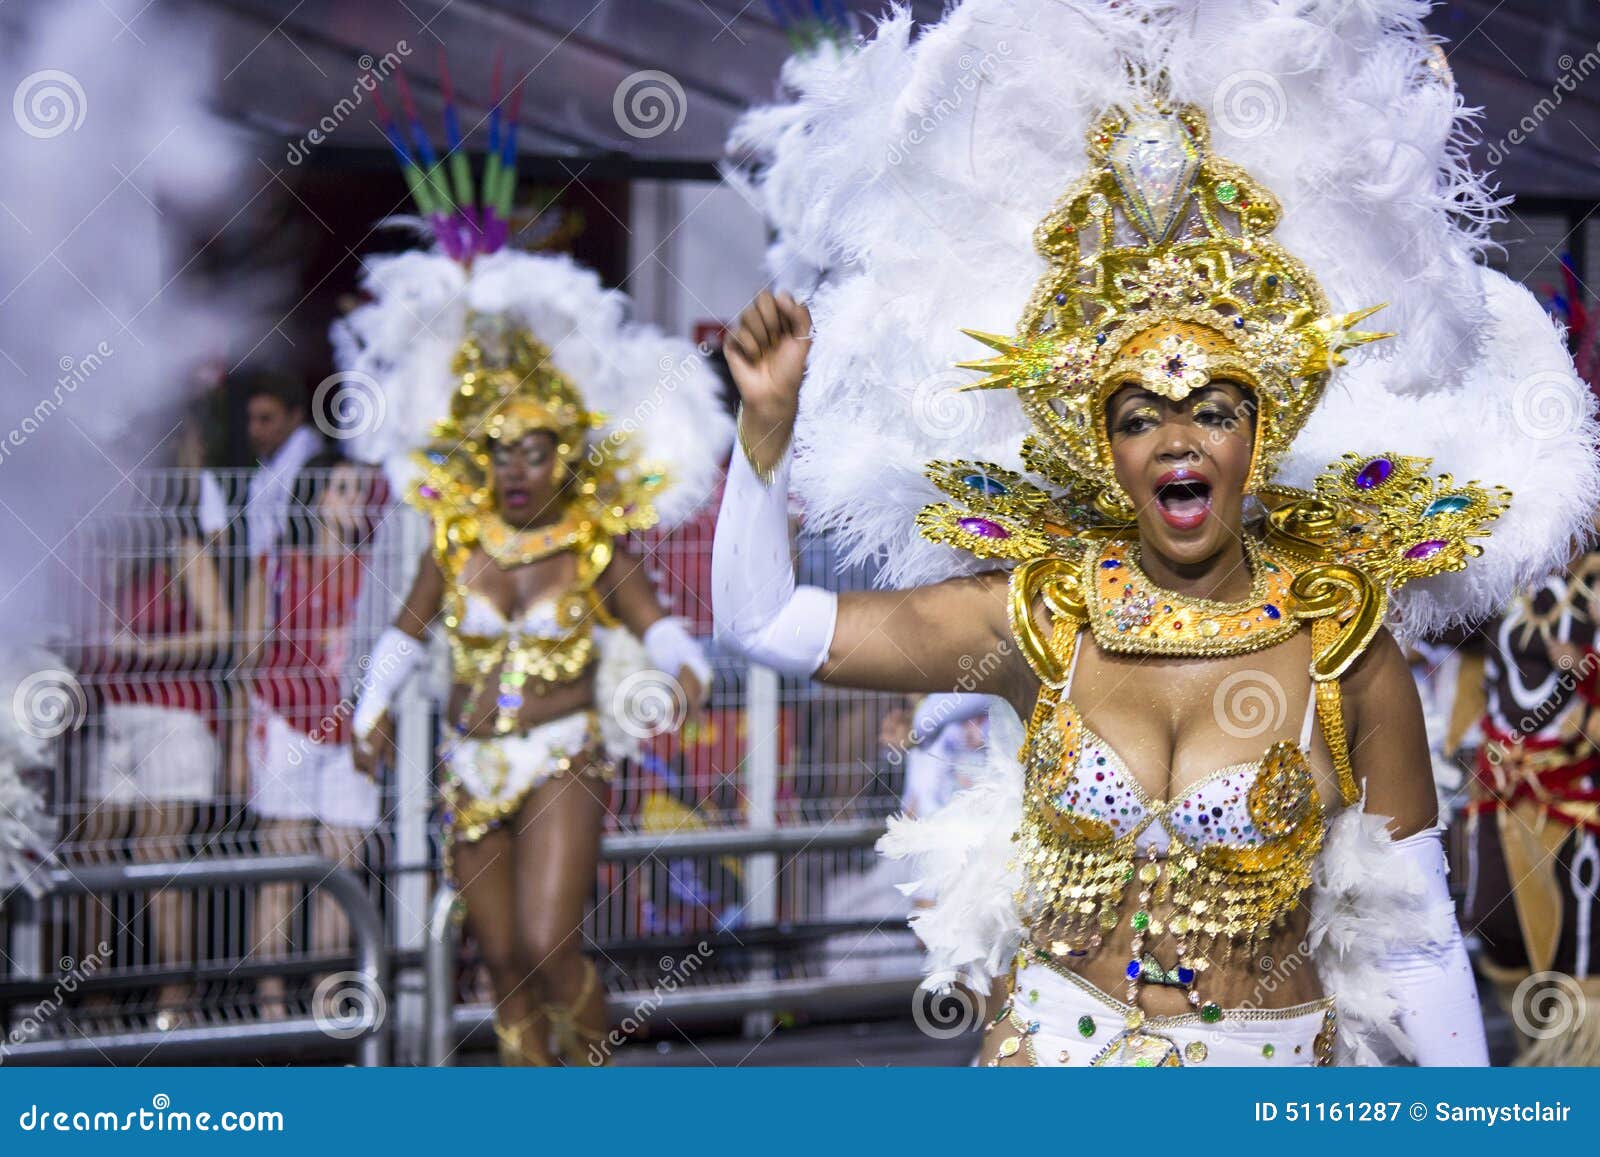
[
  {"x": 1434, "y": 982},
  {"x": 758, "y": 610},
  {"x": 670, "y": 648},
  {"x": 394, "y": 657}
]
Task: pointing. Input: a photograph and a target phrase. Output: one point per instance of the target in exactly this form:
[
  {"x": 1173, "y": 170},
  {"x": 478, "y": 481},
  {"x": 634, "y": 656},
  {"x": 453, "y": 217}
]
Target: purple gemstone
[
  {"x": 983, "y": 528},
  {"x": 1427, "y": 549},
  {"x": 427, "y": 492},
  {"x": 1374, "y": 473}
]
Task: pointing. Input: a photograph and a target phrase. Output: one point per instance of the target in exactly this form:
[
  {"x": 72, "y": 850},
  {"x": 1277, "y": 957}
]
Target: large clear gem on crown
[{"x": 1154, "y": 161}]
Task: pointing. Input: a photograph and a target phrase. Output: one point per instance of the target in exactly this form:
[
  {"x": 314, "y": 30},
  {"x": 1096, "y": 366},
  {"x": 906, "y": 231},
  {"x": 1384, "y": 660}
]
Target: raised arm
[
  {"x": 1429, "y": 975},
  {"x": 936, "y": 638}
]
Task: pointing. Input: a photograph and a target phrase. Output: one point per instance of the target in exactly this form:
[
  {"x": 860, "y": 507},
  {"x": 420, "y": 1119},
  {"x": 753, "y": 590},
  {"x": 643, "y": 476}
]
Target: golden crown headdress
[
  {"x": 1163, "y": 272},
  {"x": 508, "y": 387}
]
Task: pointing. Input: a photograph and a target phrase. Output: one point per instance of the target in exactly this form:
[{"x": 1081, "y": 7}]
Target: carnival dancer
[
  {"x": 551, "y": 428},
  {"x": 1217, "y": 840}
]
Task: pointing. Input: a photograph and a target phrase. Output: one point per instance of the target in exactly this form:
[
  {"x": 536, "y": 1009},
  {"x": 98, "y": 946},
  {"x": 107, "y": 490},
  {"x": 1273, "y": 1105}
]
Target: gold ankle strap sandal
[
  {"x": 513, "y": 1046},
  {"x": 575, "y": 1043}
]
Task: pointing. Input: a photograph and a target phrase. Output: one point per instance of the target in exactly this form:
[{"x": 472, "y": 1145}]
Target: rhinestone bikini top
[
  {"x": 550, "y": 643},
  {"x": 1220, "y": 810}
]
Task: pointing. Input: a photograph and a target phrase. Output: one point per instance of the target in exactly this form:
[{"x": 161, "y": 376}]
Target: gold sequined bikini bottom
[
  {"x": 487, "y": 780},
  {"x": 1055, "y": 1018}
]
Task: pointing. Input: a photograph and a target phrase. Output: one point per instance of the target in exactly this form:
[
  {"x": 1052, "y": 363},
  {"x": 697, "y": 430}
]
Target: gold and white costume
[{"x": 1164, "y": 256}]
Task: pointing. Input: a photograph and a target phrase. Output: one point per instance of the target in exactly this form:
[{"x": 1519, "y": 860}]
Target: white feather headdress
[
  {"x": 905, "y": 178},
  {"x": 395, "y": 356}
]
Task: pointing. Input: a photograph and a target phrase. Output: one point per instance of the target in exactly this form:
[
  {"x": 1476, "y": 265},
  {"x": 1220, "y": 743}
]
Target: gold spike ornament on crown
[{"x": 1163, "y": 272}]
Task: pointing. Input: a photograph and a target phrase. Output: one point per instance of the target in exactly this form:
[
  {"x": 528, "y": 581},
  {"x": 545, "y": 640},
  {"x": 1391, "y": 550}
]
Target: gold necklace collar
[
  {"x": 510, "y": 546},
  {"x": 1129, "y": 614}
]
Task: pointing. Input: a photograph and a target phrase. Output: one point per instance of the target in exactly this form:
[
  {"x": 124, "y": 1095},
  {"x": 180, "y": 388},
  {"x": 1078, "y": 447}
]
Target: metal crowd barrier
[
  {"x": 365, "y": 1031},
  {"x": 769, "y": 757}
]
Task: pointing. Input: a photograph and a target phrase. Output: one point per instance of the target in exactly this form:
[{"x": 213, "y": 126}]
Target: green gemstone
[
  {"x": 1267, "y": 1051},
  {"x": 1033, "y": 996},
  {"x": 1227, "y": 192},
  {"x": 1141, "y": 921},
  {"x": 1211, "y": 1012},
  {"x": 1144, "y": 1063},
  {"x": 1086, "y": 1025}
]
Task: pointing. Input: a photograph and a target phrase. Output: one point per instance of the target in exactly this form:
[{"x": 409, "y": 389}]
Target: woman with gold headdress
[
  {"x": 565, "y": 427},
  {"x": 1220, "y": 846},
  {"x": 527, "y": 568}
]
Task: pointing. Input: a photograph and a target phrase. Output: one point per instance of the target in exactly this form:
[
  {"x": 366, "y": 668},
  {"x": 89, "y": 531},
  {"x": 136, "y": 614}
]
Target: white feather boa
[
  {"x": 395, "y": 353},
  {"x": 1366, "y": 898},
  {"x": 25, "y": 824},
  {"x": 904, "y": 179},
  {"x": 621, "y": 656}
]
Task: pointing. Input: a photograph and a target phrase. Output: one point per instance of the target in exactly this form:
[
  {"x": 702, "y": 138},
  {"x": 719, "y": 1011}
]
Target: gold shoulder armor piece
[{"x": 1054, "y": 580}]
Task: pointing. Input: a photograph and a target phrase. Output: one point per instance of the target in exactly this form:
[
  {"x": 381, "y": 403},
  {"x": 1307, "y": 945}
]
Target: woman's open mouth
[
  {"x": 1184, "y": 498},
  {"x": 515, "y": 497}
]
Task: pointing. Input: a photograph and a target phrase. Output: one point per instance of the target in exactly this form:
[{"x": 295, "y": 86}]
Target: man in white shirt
[{"x": 283, "y": 441}]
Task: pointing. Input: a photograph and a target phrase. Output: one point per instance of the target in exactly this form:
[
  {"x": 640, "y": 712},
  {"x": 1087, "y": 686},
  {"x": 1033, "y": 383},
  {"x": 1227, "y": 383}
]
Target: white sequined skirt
[{"x": 1057, "y": 1019}]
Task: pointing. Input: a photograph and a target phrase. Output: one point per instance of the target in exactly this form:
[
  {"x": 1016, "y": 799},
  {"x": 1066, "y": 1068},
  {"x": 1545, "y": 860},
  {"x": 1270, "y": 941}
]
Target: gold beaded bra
[
  {"x": 550, "y": 643},
  {"x": 1218, "y": 866}
]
